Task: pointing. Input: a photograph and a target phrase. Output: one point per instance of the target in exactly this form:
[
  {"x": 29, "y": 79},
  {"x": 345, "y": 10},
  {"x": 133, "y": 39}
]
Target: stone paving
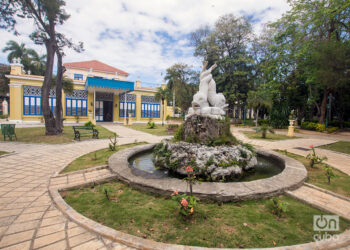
[
  {"x": 28, "y": 218},
  {"x": 319, "y": 198}
]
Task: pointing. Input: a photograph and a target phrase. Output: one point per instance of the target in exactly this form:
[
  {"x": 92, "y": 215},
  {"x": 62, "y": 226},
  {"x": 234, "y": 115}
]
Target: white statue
[{"x": 206, "y": 101}]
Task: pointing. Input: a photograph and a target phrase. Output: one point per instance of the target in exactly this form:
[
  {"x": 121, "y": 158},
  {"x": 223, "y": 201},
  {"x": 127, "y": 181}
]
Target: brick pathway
[{"x": 28, "y": 219}]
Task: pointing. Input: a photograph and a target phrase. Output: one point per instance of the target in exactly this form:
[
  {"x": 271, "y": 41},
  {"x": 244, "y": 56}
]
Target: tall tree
[
  {"x": 47, "y": 14},
  {"x": 227, "y": 44},
  {"x": 183, "y": 83},
  {"x": 162, "y": 95}
]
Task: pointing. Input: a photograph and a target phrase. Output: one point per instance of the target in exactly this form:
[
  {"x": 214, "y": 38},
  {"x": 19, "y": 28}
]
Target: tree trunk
[
  {"x": 45, "y": 91},
  {"x": 257, "y": 117},
  {"x": 50, "y": 125},
  {"x": 163, "y": 112},
  {"x": 324, "y": 106},
  {"x": 59, "y": 93}
]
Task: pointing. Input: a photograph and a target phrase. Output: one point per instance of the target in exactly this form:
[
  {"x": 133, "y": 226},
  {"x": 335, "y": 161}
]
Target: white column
[
  {"x": 94, "y": 104},
  {"x": 125, "y": 109},
  {"x": 5, "y": 107}
]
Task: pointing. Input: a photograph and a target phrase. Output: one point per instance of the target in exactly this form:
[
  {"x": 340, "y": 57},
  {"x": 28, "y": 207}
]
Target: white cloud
[{"x": 144, "y": 37}]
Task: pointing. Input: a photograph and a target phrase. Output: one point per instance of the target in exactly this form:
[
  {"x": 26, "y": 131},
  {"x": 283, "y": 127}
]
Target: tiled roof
[{"x": 95, "y": 65}]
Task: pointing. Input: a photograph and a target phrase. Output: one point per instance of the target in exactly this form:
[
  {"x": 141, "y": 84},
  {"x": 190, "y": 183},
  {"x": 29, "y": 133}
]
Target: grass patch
[
  {"x": 269, "y": 136},
  {"x": 3, "y": 153},
  {"x": 317, "y": 176},
  {"x": 96, "y": 158},
  {"x": 158, "y": 130},
  {"x": 157, "y": 218},
  {"x": 340, "y": 146},
  {"x": 37, "y": 135}
]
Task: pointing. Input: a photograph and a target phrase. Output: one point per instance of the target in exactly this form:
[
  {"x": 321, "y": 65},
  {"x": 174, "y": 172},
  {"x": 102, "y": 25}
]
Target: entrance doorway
[{"x": 108, "y": 111}]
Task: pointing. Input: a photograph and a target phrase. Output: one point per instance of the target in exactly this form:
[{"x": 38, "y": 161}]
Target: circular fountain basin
[
  {"x": 292, "y": 175},
  {"x": 142, "y": 164}
]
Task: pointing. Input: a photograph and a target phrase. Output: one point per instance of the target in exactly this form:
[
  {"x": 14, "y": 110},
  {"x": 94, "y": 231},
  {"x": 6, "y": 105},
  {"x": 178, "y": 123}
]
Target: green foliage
[
  {"x": 179, "y": 134},
  {"x": 113, "y": 142},
  {"x": 173, "y": 126},
  {"x": 107, "y": 191},
  {"x": 263, "y": 130},
  {"x": 314, "y": 158},
  {"x": 187, "y": 203},
  {"x": 151, "y": 125},
  {"x": 89, "y": 124},
  {"x": 320, "y": 127},
  {"x": 77, "y": 118},
  {"x": 278, "y": 207},
  {"x": 329, "y": 173},
  {"x": 210, "y": 161},
  {"x": 183, "y": 81}
]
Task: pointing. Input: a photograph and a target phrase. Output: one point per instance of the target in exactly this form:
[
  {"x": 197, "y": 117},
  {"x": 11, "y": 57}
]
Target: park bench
[
  {"x": 9, "y": 131},
  {"x": 84, "y": 130}
]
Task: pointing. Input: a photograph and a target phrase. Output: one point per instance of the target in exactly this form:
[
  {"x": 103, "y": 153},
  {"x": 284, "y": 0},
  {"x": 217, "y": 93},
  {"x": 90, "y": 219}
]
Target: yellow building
[{"x": 99, "y": 96}]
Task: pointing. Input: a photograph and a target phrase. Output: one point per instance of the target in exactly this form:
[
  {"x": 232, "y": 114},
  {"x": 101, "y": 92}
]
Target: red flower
[
  {"x": 311, "y": 146},
  {"x": 184, "y": 202},
  {"x": 189, "y": 169},
  {"x": 175, "y": 193}
]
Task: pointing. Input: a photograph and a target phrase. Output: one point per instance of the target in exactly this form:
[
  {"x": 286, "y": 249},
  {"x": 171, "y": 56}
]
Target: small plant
[
  {"x": 107, "y": 191},
  {"x": 95, "y": 156},
  {"x": 278, "y": 207},
  {"x": 77, "y": 118},
  {"x": 329, "y": 173},
  {"x": 151, "y": 124},
  {"x": 187, "y": 202},
  {"x": 263, "y": 130},
  {"x": 89, "y": 124},
  {"x": 314, "y": 159},
  {"x": 42, "y": 119},
  {"x": 113, "y": 142}
]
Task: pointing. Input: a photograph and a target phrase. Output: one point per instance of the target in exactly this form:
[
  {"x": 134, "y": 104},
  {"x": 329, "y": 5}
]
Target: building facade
[{"x": 101, "y": 93}]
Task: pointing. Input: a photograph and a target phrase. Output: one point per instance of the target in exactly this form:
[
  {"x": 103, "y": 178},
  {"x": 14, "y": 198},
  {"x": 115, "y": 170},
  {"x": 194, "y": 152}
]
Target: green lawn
[
  {"x": 3, "y": 153},
  {"x": 317, "y": 177},
  {"x": 158, "y": 130},
  {"x": 247, "y": 224},
  {"x": 37, "y": 135},
  {"x": 340, "y": 146},
  {"x": 269, "y": 136},
  {"x": 96, "y": 158}
]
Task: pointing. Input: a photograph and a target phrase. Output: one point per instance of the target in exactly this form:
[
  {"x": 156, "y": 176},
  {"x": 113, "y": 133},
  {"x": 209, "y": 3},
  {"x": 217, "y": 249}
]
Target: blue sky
[{"x": 145, "y": 37}]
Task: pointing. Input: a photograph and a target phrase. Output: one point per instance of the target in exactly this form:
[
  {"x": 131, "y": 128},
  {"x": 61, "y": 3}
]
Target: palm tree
[
  {"x": 256, "y": 99},
  {"x": 263, "y": 129},
  {"x": 37, "y": 62},
  {"x": 163, "y": 94},
  {"x": 16, "y": 50}
]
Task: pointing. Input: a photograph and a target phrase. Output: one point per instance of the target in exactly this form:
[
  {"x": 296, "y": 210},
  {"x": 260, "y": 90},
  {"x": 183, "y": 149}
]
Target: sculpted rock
[{"x": 211, "y": 163}]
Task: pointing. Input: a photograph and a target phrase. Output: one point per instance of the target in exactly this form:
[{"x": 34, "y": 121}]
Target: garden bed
[
  {"x": 340, "y": 146},
  {"x": 243, "y": 224},
  {"x": 269, "y": 136},
  {"x": 317, "y": 177},
  {"x": 157, "y": 130}
]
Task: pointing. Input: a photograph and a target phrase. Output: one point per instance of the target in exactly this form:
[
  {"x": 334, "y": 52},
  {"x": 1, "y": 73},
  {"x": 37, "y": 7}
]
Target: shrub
[
  {"x": 263, "y": 129},
  {"x": 332, "y": 129},
  {"x": 89, "y": 124},
  {"x": 263, "y": 122},
  {"x": 320, "y": 127},
  {"x": 278, "y": 207},
  {"x": 179, "y": 134},
  {"x": 173, "y": 126},
  {"x": 314, "y": 159},
  {"x": 76, "y": 118},
  {"x": 309, "y": 125},
  {"x": 151, "y": 125},
  {"x": 329, "y": 173},
  {"x": 113, "y": 142},
  {"x": 4, "y": 116}
]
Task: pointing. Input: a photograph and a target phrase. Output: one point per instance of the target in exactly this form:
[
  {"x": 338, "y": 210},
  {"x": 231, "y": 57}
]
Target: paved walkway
[
  {"x": 301, "y": 147},
  {"x": 28, "y": 219},
  {"x": 314, "y": 196}
]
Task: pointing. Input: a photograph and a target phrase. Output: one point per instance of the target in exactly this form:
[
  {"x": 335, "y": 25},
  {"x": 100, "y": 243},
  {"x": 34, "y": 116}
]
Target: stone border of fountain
[{"x": 292, "y": 177}]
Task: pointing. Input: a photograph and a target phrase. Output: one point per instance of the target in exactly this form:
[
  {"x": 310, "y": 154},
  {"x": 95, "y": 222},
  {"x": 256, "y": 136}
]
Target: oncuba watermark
[{"x": 325, "y": 224}]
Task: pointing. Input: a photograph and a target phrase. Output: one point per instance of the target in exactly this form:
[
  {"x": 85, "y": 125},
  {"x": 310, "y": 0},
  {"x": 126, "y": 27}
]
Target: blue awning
[{"x": 101, "y": 84}]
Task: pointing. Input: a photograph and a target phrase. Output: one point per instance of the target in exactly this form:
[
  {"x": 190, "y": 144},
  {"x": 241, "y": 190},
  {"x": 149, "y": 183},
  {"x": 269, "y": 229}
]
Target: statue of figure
[{"x": 207, "y": 96}]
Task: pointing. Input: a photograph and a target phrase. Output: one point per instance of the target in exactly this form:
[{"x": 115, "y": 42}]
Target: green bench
[
  {"x": 9, "y": 131},
  {"x": 84, "y": 130}
]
